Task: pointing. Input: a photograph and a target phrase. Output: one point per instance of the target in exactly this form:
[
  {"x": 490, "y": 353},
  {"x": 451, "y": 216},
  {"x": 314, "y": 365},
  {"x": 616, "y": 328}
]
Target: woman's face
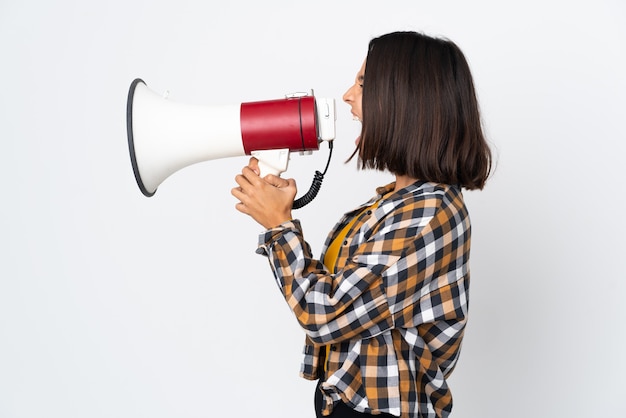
[{"x": 355, "y": 93}]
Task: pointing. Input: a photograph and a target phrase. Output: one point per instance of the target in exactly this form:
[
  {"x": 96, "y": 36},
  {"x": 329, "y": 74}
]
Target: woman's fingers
[
  {"x": 276, "y": 181},
  {"x": 268, "y": 200}
]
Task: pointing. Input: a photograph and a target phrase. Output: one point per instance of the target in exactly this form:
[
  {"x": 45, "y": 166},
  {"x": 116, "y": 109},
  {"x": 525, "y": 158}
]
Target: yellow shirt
[{"x": 332, "y": 252}]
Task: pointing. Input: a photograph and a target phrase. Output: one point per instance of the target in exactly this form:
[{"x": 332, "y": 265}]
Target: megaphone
[{"x": 165, "y": 136}]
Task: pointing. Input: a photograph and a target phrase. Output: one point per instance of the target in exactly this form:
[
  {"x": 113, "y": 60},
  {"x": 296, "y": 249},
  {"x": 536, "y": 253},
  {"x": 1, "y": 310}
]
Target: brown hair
[{"x": 420, "y": 113}]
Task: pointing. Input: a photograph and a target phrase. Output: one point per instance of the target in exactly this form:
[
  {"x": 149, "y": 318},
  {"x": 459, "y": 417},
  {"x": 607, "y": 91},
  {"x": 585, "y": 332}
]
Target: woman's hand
[{"x": 267, "y": 200}]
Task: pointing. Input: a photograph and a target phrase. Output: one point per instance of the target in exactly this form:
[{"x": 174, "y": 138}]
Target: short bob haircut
[{"x": 420, "y": 113}]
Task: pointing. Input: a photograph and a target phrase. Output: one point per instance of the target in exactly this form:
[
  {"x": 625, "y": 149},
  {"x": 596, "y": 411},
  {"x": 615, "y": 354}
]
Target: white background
[{"x": 117, "y": 305}]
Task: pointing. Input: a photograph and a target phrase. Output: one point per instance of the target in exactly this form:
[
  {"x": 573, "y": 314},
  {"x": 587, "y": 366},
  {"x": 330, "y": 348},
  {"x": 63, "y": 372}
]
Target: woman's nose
[{"x": 347, "y": 96}]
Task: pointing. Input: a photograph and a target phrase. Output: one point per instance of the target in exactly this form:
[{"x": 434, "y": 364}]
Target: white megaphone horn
[{"x": 164, "y": 136}]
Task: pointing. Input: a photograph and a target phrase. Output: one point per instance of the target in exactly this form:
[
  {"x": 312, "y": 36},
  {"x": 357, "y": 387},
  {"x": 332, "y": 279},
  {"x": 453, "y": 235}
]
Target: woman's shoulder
[{"x": 418, "y": 203}]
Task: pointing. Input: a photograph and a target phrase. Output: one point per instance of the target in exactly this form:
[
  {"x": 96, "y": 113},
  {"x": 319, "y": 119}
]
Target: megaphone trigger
[{"x": 272, "y": 161}]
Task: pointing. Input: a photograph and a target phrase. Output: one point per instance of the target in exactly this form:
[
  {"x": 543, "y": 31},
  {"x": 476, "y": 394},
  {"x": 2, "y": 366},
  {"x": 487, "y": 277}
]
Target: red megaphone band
[{"x": 284, "y": 123}]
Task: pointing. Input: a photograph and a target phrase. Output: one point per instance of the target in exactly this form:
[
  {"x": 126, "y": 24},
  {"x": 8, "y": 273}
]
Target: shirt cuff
[{"x": 268, "y": 237}]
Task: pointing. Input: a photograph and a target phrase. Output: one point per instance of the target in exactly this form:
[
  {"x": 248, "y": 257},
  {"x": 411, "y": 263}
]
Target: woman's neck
[{"x": 403, "y": 181}]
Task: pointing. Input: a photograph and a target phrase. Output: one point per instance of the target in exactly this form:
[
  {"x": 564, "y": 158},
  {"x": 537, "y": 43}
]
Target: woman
[{"x": 385, "y": 306}]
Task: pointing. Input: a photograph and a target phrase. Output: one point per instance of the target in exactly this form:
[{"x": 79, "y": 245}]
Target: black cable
[{"x": 315, "y": 185}]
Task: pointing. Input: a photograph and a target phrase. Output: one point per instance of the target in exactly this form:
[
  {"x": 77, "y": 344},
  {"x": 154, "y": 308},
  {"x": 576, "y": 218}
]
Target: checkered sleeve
[{"x": 330, "y": 308}]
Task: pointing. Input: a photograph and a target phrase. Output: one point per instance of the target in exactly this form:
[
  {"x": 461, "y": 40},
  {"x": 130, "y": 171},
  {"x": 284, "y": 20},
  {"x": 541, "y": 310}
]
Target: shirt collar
[{"x": 387, "y": 190}]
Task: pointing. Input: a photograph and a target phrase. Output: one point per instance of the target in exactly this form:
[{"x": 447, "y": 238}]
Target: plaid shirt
[{"x": 395, "y": 309}]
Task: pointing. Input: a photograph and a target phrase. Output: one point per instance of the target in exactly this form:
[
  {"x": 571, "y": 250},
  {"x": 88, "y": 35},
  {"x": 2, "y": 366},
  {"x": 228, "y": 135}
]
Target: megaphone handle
[{"x": 272, "y": 161}]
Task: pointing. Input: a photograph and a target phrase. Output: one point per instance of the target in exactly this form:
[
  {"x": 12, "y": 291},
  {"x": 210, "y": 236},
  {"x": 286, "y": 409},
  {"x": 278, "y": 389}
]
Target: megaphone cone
[{"x": 164, "y": 136}]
